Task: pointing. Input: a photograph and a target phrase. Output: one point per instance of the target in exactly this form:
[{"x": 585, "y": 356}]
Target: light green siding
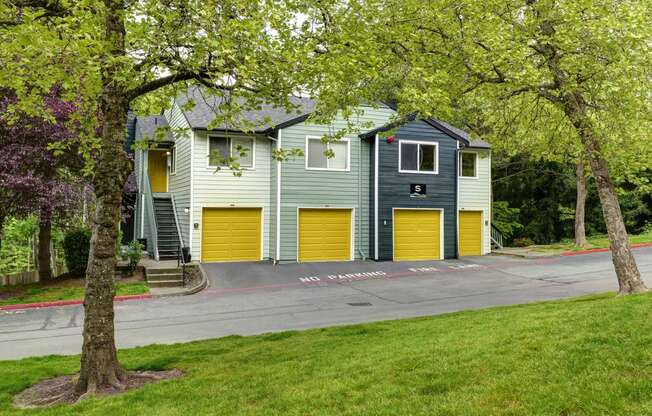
[
  {"x": 179, "y": 182},
  {"x": 321, "y": 188}
]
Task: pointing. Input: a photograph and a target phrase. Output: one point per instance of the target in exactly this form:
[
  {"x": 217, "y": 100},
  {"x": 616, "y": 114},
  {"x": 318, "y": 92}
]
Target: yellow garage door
[
  {"x": 231, "y": 234},
  {"x": 417, "y": 235},
  {"x": 324, "y": 234},
  {"x": 470, "y": 238}
]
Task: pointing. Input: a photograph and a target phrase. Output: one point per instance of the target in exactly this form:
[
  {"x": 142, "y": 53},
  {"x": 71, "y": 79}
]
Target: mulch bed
[
  {"x": 61, "y": 390},
  {"x": 193, "y": 276}
]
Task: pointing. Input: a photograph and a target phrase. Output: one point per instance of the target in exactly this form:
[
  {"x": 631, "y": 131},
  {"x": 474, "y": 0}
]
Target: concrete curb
[
  {"x": 600, "y": 250},
  {"x": 203, "y": 284},
  {"x": 68, "y": 302}
]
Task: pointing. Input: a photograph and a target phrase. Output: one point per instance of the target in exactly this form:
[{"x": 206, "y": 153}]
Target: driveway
[{"x": 252, "y": 298}]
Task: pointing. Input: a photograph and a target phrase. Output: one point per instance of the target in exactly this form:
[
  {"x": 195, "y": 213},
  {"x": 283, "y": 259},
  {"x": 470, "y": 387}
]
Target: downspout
[
  {"x": 362, "y": 255},
  {"x": 457, "y": 199},
  {"x": 192, "y": 193},
  {"x": 377, "y": 144},
  {"x": 277, "y": 256}
]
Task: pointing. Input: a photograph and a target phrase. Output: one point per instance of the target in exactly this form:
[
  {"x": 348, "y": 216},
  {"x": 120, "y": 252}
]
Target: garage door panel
[
  {"x": 470, "y": 233},
  {"x": 231, "y": 234},
  {"x": 324, "y": 234},
  {"x": 417, "y": 234}
]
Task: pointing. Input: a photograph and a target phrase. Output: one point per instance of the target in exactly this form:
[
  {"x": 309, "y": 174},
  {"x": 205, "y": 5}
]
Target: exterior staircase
[
  {"x": 164, "y": 277},
  {"x": 496, "y": 238},
  {"x": 166, "y": 227}
]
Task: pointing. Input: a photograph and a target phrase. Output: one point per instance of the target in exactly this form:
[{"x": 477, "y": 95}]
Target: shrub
[
  {"x": 522, "y": 242},
  {"x": 76, "y": 246},
  {"x": 506, "y": 219},
  {"x": 133, "y": 252}
]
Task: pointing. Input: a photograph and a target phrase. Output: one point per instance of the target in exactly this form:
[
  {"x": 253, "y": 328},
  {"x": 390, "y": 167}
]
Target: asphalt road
[{"x": 249, "y": 299}]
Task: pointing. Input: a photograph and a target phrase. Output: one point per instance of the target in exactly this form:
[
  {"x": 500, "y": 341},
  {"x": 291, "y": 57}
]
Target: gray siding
[
  {"x": 179, "y": 182},
  {"x": 394, "y": 186},
  {"x": 319, "y": 188}
]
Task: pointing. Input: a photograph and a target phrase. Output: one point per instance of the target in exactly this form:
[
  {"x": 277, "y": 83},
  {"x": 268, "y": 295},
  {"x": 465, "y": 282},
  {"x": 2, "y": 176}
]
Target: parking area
[{"x": 253, "y": 298}]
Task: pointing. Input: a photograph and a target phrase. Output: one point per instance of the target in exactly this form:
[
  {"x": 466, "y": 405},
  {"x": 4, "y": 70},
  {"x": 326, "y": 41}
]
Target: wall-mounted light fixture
[{"x": 186, "y": 210}]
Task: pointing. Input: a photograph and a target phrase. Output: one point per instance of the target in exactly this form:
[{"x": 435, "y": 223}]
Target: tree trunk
[
  {"x": 44, "y": 240},
  {"x": 629, "y": 277},
  {"x": 99, "y": 362},
  {"x": 580, "y": 206}
]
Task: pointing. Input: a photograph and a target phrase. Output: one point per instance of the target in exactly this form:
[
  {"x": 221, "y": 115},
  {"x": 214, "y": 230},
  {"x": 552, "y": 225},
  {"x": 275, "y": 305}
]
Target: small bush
[
  {"x": 133, "y": 252},
  {"x": 522, "y": 242},
  {"x": 76, "y": 246}
]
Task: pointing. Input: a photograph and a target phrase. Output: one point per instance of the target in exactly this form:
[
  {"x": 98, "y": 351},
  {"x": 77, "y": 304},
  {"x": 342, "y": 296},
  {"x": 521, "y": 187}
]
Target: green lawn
[
  {"x": 588, "y": 356},
  {"x": 599, "y": 241},
  {"x": 59, "y": 290}
]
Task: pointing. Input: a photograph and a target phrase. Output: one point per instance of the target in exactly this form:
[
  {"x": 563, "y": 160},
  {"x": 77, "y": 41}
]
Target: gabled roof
[
  {"x": 443, "y": 126},
  {"x": 206, "y": 105},
  {"x": 146, "y": 127}
]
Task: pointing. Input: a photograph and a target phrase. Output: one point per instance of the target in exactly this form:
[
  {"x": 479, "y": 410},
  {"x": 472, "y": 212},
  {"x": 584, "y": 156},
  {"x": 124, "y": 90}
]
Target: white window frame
[
  {"x": 419, "y": 142},
  {"x": 230, "y": 139},
  {"x": 348, "y": 155},
  {"x": 475, "y": 165},
  {"x": 173, "y": 160}
]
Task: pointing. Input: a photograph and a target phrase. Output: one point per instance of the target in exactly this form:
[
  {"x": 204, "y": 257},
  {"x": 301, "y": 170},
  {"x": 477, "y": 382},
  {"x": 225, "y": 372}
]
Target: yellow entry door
[
  {"x": 417, "y": 234},
  {"x": 470, "y": 233},
  {"x": 157, "y": 167},
  {"x": 324, "y": 234},
  {"x": 231, "y": 234}
]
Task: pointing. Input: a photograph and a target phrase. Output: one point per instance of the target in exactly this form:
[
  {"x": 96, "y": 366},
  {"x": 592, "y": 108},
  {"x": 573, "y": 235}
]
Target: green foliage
[
  {"x": 545, "y": 194},
  {"x": 76, "y": 246},
  {"x": 16, "y": 249},
  {"x": 133, "y": 253},
  {"x": 506, "y": 219},
  {"x": 522, "y": 242}
]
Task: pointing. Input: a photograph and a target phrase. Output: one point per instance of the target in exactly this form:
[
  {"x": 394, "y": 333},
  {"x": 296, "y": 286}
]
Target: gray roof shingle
[
  {"x": 206, "y": 105},
  {"x": 146, "y": 127}
]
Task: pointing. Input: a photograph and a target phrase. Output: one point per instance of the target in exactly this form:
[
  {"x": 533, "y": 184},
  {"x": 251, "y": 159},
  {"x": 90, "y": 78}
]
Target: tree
[
  {"x": 535, "y": 67},
  {"x": 32, "y": 178},
  {"x": 580, "y": 205},
  {"x": 114, "y": 55}
]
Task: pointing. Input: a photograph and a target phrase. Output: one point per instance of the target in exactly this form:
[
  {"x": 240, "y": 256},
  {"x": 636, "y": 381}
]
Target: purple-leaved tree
[{"x": 33, "y": 180}]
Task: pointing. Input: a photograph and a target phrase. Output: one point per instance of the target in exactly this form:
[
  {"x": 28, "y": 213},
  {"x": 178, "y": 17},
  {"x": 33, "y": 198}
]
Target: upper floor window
[
  {"x": 222, "y": 149},
  {"x": 468, "y": 164},
  {"x": 317, "y": 154},
  {"x": 418, "y": 157}
]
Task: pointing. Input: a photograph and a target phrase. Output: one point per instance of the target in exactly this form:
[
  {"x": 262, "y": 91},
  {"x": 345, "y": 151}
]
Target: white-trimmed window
[
  {"x": 418, "y": 157},
  {"x": 316, "y": 158},
  {"x": 173, "y": 160},
  {"x": 242, "y": 149},
  {"x": 468, "y": 164}
]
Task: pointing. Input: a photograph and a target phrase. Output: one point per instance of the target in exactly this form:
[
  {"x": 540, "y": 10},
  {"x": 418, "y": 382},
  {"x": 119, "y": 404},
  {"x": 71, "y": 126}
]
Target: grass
[
  {"x": 60, "y": 289},
  {"x": 587, "y": 356},
  {"x": 598, "y": 241}
]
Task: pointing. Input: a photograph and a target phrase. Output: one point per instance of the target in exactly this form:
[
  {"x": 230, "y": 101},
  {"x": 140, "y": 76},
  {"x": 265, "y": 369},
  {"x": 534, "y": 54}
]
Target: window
[
  {"x": 418, "y": 157},
  {"x": 316, "y": 154},
  {"x": 221, "y": 149},
  {"x": 468, "y": 164}
]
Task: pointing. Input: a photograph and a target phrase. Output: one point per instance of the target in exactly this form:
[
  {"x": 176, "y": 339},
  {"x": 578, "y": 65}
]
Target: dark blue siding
[{"x": 394, "y": 187}]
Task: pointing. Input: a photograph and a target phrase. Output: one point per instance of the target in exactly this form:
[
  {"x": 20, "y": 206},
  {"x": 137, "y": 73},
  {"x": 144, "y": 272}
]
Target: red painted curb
[
  {"x": 68, "y": 302},
  {"x": 599, "y": 250}
]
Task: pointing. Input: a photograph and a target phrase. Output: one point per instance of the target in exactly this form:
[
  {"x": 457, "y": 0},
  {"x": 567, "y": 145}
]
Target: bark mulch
[{"x": 61, "y": 390}]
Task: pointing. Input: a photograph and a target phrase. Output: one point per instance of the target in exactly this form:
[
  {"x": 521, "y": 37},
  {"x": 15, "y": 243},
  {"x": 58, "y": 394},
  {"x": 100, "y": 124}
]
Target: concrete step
[
  {"x": 164, "y": 277},
  {"x": 162, "y": 270},
  {"x": 165, "y": 283}
]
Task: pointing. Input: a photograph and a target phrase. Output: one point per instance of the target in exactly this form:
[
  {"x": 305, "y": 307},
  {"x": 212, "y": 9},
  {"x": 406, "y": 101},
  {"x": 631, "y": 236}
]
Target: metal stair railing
[
  {"x": 496, "y": 237},
  {"x": 151, "y": 217}
]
